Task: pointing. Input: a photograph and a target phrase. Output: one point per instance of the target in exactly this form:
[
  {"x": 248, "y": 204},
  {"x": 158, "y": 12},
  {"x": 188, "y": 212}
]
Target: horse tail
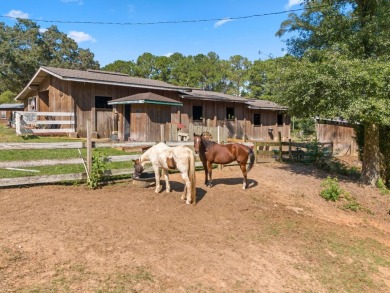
[
  {"x": 191, "y": 175},
  {"x": 251, "y": 159}
]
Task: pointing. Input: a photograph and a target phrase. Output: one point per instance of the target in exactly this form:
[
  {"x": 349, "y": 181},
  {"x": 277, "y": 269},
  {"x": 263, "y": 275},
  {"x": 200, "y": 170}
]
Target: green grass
[{"x": 8, "y": 135}]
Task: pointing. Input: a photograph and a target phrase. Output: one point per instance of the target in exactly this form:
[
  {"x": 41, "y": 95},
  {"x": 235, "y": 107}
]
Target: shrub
[
  {"x": 332, "y": 189},
  {"x": 98, "y": 168}
]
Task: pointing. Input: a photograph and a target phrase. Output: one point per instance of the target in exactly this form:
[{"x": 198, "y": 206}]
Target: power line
[{"x": 166, "y": 22}]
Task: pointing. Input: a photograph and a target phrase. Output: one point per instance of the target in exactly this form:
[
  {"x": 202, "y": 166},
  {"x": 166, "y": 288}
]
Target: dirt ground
[{"x": 277, "y": 236}]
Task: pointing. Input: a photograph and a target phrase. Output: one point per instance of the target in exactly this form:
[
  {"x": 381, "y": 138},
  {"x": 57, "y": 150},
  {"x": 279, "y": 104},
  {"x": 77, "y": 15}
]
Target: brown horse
[{"x": 211, "y": 152}]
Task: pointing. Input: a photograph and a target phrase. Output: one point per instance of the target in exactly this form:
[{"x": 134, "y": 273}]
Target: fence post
[
  {"x": 256, "y": 153},
  {"x": 89, "y": 146},
  {"x": 17, "y": 123},
  {"x": 289, "y": 148},
  {"x": 280, "y": 146}
]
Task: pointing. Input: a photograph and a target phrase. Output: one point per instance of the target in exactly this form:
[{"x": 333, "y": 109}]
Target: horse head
[
  {"x": 138, "y": 168},
  {"x": 197, "y": 142}
]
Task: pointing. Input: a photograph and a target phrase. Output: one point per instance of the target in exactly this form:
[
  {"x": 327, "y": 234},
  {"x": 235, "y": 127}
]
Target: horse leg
[
  {"x": 206, "y": 172},
  {"x": 166, "y": 177},
  {"x": 244, "y": 173},
  {"x": 187, "y": 188},
  {"x": 210, "y": 170},
  {"x": 157, "y": 176}
]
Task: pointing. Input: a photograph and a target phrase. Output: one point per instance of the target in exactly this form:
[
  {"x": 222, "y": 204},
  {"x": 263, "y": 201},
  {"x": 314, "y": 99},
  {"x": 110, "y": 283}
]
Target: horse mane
[{"x": 207, "y": 143}]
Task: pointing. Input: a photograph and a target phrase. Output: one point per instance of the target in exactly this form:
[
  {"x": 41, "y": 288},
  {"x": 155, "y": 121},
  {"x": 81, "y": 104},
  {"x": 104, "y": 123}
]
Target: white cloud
[
  {"x": 17, "y": 14},
  {"x": 81, "y": 37},
  {"x": 293, "y": 3},
  {"x": 42, "y": 30},
  {"x": 169, "y": 54},
  {"x": 222, "y": 22}
]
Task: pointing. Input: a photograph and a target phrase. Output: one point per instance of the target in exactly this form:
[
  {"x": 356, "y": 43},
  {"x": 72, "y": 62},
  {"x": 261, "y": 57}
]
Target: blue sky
[{"x": 222, "y": 34}]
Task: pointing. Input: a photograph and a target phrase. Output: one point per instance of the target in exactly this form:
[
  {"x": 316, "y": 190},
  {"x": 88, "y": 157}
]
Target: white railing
[{"x": 44, "y": 122}]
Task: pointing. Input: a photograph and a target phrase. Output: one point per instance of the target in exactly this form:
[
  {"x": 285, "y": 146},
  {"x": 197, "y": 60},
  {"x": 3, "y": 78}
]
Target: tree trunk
[{"x": 371, "y": 155}]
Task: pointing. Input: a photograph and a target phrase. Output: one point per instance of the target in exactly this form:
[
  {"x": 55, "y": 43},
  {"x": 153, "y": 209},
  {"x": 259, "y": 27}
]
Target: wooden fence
[
  {"x": 264, "y": 152},
  {"x": 44, "y": 122},
  {"x": 28, "y": 180}
]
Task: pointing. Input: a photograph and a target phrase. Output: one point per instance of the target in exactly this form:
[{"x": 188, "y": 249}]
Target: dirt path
[{"x": 277, "y": 236}]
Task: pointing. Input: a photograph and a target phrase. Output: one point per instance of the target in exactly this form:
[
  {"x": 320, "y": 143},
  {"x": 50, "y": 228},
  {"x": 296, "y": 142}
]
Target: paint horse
[
  {"x": 211, "y": 153},
  {"x": 170, "y": 158}
]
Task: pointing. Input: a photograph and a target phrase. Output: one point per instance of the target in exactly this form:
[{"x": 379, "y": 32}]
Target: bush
[{"x": 332, "y": 189}]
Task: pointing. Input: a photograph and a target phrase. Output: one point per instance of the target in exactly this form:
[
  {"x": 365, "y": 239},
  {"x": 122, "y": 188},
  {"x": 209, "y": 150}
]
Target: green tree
[
  {"x": 7, "y": 97},
  {"x": 120, "y": 66},
  {"x": 343, "y": 46},
  {"x": 24, "y": 48},
  {"x": 238, "y": 74}
]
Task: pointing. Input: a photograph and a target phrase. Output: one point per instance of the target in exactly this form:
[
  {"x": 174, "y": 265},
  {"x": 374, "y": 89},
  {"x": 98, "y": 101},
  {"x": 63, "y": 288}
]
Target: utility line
[{"x": 169, "y": 21}]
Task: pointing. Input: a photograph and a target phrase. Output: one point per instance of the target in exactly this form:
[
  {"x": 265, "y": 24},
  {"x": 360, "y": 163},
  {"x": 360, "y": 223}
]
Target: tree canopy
[
  {"x": 25, "y": 47},
  {"x": 339, "y": 68}
]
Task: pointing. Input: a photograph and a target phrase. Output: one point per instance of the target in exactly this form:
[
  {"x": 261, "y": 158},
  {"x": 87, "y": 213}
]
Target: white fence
[{"x": 44, "y": 122}]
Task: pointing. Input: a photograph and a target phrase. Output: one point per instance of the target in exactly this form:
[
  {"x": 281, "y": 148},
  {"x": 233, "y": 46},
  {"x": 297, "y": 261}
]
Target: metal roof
[
  {"x": 11, "y": 106},
  {"x": 266, "y": 105},
  {"x": 97, "y": 77},
  {"x": 214, "y": 96},
  {"x": 146, "y": 98}
]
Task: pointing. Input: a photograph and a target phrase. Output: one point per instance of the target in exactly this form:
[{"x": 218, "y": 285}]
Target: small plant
[
  {"x": 332, "y": 189},
  {"x": 382, "y": 187},
  {"x": 351, "y": 204},
  {"x": 98, "y": 169}
]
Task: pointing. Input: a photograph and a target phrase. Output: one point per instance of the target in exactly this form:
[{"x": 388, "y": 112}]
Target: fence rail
[
  {"x": 264, "y": 152},
  {"x": 44, "y": 122}
]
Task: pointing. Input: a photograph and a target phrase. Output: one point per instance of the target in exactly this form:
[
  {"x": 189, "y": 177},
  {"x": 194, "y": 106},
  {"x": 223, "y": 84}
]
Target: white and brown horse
[{"x": 167, "y": 158}]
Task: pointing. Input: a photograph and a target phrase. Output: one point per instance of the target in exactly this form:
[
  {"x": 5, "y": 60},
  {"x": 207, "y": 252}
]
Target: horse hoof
[{"x": 188, "y": 202}]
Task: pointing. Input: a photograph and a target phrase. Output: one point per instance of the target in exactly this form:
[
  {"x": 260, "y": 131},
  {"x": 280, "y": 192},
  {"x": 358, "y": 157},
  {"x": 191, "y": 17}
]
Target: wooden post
[
  {"x": 289, "y": 148},
  {"x": 280, "y": 146},
  {"x": 255, "y": 151},
  {"x": 162, "y": 135},
  {"x": 17, "y": 123},
  {"x": 89, "y": 146}
]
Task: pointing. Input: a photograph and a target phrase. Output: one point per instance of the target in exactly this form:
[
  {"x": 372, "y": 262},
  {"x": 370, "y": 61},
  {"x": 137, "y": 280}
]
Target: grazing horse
[
  {"x": 170, "y": 158},
  {"x": 211, "y": 152}
]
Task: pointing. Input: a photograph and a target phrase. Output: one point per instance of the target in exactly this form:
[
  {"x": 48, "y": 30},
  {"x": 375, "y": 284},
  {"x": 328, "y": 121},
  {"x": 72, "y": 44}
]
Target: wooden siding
[
  {"x": 342, "y": 137},
  {"x": 56, "y": 95}
]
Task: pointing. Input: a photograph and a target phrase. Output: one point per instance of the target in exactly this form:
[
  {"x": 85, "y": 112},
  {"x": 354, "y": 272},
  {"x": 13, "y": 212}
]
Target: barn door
[
  {"x": 104, "y": 123},
  {"x": 126, "y": 127},
  {"x": 104, "y": 117}
]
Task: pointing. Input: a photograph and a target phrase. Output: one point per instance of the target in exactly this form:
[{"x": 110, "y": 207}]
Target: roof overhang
[
  {"x": 145, "y": 102},
  {"x": 267, "y": 108},
  {"x": 33, "y": 85}
]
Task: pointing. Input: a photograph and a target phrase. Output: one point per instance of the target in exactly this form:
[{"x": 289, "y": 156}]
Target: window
[
  {"x": 280, "y": 118},
  {"x": 197, "y": 112},
  {"x": 32, "y": 104},
  {"x": 3, "y": 115},
  {"x": 230, "y": 113},
  {"x": 101, "y": 102},
  {"x": 256, "y": 119}
]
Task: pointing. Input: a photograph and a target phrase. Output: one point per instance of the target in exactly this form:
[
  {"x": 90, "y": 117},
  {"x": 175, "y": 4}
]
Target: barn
[
  {"x": 7, "y": 113},
  {"x": 339, "y": 133},
  {"x": 139, "y": 109}
]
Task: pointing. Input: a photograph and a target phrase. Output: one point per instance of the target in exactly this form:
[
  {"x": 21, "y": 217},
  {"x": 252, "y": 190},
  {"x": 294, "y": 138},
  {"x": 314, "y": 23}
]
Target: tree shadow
[{"x": 318, "y": 172}]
